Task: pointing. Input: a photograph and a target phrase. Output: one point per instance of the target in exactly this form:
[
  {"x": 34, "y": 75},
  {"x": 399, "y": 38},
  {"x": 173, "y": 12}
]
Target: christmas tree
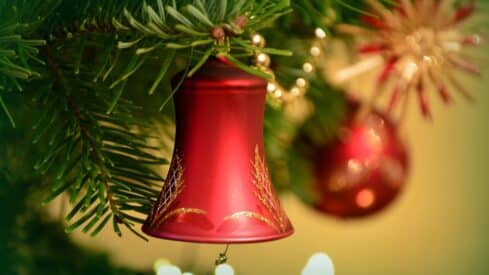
[{"x": 91, "y": 93}]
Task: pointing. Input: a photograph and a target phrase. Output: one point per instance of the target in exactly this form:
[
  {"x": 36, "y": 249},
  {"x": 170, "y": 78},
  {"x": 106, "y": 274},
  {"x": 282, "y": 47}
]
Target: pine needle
[{"x": 5, "y": 109}]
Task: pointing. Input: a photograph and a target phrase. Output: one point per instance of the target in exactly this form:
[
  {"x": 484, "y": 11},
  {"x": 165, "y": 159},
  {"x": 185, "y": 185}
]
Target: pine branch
[
  {"x": 16, "y": 52},
  {"x": 102, "y": 161},
  {"x": 157, "y": 29},
  {"x": 208, "y": 26}
]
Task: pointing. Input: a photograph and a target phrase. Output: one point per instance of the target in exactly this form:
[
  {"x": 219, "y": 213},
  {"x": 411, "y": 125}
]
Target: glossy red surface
[
  {"x": 362, "y": 171},
  {"x": 218, "y": 188}
]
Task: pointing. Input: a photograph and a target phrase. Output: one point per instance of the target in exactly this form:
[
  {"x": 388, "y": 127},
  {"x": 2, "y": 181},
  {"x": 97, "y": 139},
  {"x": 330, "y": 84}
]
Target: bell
[{"x": 218, "y": 188}]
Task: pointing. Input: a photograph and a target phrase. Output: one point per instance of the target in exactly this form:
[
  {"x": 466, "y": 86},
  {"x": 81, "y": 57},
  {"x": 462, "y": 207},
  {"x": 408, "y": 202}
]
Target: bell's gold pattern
[
  {"x": 180, "y": 211},
  {"x": 252, "y": 215},
  {"x": 171, "y": 189},
  {"x": 265, "y": 194}
]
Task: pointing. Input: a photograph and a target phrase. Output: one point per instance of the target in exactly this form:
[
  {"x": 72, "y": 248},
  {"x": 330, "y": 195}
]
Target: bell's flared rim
[{"x": 216, "y": 240}]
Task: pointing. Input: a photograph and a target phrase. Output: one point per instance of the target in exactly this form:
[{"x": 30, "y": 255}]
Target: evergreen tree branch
[
  {"x": 102, "y": 160},
  {"x": 15, "y": 54},
  {"x": 159, "y": 28}
]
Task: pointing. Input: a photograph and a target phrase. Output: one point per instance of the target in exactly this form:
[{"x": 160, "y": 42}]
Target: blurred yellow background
[{"x": 439, "y": 225}]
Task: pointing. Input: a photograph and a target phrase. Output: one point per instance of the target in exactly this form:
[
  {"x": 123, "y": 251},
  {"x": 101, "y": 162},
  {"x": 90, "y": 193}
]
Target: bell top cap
[{"x": 219, "y": 73}]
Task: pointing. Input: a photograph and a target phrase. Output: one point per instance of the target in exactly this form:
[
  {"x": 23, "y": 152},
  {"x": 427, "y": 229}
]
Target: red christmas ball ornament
[{"x": 363, "y": 170}]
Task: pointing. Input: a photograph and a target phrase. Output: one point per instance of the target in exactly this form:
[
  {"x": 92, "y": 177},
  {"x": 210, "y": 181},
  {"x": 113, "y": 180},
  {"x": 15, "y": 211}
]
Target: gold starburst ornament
[{"x": 419, "y": 46}]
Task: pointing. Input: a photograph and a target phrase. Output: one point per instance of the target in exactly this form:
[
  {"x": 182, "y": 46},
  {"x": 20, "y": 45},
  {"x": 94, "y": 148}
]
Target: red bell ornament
[{"x": 218, "y": 188}]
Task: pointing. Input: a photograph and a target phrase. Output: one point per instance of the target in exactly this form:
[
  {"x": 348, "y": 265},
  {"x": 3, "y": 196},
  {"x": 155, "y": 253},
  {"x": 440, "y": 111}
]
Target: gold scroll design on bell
[
  {"x": 251, "y": 215},
  {"x": 265, "y": 194},
  {"x": 171, "y": 190}
]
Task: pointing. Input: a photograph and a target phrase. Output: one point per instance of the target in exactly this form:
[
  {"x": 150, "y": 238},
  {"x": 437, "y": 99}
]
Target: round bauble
[{"x": 363, "y": 170}]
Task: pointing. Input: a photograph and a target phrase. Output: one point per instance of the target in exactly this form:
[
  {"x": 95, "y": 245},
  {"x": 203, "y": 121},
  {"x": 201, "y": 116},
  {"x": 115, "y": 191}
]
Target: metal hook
[{"x": 223, "y": 258}]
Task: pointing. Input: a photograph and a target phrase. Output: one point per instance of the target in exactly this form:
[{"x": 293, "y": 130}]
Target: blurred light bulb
[
  {"x": 320, "y": 33},
  {"x": 224, "y": 269},
  {"x": 315, "y": 51},
  {"x": 187, "y": 273},
  {"x": 319, "y": 264},
  {"x": 271, "y": 87},
  {"x": 169, "y": 270},
  {"x": 295, "y": 91},
  {"x": 278, "y": 93},
  {"x": 159, "y": 263},
  {"x": 307, "y": 67},
  {"x": 301, "y": 82}
]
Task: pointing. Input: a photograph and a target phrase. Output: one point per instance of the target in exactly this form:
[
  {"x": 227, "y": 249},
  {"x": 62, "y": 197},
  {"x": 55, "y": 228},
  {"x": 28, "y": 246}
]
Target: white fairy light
[
  {"x": 307, "y": 67},
  {"x": 319, "y": 264},
  {"x": 169, "y": 270},
  {"x": 278, "y": 93},
  {"x": 315, "y": 51},
  {"x": 295, "y": 91},
  {"x": 301, "y": 82},
  {"x": 271, "y": 87},
  {"x": 224, "y": 269},
  {"x": 320, "y": 33},
  {"x": 159, "y": 263}
]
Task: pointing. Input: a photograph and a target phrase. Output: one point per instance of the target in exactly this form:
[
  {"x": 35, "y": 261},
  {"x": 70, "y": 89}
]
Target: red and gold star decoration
[{"x": 419, "y": 45}]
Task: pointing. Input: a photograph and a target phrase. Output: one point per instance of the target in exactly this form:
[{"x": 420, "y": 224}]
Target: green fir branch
[
  {"x": 138, "y": 28},
  {"x": 102, "y": 161},
  {"x": 16, "y": 53}
]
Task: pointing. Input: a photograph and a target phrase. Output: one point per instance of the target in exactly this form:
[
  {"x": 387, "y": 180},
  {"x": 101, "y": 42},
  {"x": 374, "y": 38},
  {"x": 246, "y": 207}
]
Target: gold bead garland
[{"x": 278, "y": 93}]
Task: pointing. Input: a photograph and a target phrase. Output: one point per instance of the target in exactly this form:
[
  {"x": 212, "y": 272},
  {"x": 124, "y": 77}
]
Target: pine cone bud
[
  {"x": 218, "y": 33},
  {"x": 241, "y": 21}
]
